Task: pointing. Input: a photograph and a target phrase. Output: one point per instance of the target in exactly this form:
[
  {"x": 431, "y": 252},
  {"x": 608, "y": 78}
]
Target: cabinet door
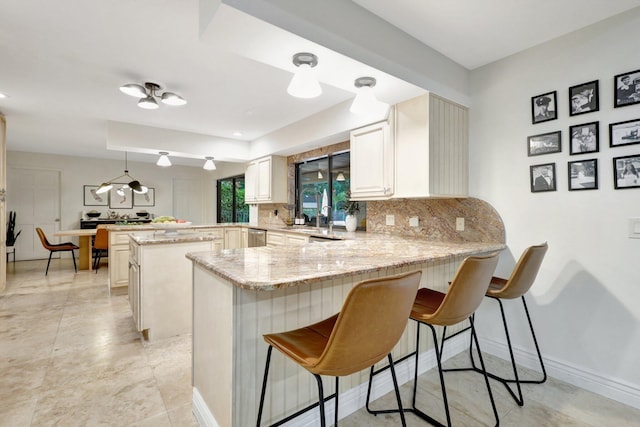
[
  {"x": 293, "y": 239},
  {"x": 264, "y": 179},
  {"x": 372, "y": 160},
  {"x": 275, "y": 239},
  {"x": 232, "y": 238},
  {"x": 250, "y": 183},
  {"x": 134, "y": 294},
  {"x": 119, "y": 266}
]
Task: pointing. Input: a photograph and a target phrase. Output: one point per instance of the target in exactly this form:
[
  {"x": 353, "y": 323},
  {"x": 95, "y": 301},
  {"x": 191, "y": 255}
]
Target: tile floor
[{"x": 70, "y": 356}]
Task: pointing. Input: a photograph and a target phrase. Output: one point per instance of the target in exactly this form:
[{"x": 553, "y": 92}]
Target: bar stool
[
  {"x": 518, "y": 284},
  {"x": 371, "y": 322},
  {"x": 433, "y": 308}
]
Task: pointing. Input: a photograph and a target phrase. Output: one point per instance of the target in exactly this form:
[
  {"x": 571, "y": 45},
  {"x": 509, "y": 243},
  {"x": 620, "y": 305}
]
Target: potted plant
[
  {"x": 11, "y": 228},
  {"x": 351, "y": 207}
]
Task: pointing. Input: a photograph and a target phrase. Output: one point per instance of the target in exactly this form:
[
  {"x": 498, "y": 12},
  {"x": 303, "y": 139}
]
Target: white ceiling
[{"x": 63, "y": 61}]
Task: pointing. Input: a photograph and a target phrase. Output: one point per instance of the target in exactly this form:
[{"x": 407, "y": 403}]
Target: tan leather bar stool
[
  {"x": 522, "y": 278},
  {"x": 434, "y": 308},
  {"x": 58, "y": 247},
  {"x": 371, "y": 322}
]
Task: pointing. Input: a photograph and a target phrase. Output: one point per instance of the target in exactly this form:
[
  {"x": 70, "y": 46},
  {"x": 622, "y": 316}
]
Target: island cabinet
[
  {"x": 421, "y": 151},
  {"x": 160, "y": 290},
  {"x": 279, "y": 238},
  {"x": 119, "y": 257},
  {"x": 266, "y": 180}
]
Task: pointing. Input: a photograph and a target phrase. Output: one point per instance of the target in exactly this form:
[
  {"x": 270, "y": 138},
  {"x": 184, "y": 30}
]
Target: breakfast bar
[{"x": 241, "y": 294}]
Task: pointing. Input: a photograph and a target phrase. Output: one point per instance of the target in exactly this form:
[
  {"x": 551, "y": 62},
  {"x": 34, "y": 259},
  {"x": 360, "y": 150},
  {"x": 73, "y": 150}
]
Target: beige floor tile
[{"x": 17, "y": 414}]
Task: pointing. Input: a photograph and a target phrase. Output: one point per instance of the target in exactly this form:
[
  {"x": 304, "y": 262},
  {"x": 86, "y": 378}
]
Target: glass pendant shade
[
  {"x": 304, "y": 84},
  {"x": 164, "y": 159},
  {"x": 340, "y": 177},
  {"x": 104, "y": 187},
  {"x": 209, "y": 165},
  {"x": 148, "y": 103},
  {"x": 133, "y": 89},
  {"x": 171, "y": 98}
]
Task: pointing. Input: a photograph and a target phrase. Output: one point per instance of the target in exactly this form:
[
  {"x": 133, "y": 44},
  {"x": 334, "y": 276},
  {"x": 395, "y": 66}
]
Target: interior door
[
  {"x": 3, "y": 211},
  {"x": 34, "y": 194}
]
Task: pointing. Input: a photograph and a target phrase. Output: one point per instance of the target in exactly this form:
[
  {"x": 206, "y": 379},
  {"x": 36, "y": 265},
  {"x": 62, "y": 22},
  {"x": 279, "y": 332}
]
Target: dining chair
[
  {"x": 100, "y": 246},
  {"x": 371, "y": 322},
  {"x": 57, "y": 247}
]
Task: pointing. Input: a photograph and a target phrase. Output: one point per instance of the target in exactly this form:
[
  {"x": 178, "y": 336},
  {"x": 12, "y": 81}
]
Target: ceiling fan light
[
  {"x": 163, "y": 160},
  {"x": 104, "y": 187},
  {"x": 133, "y": 89},
  {"x": 208, "y": 164},
  {"x": 148, "y": 103},
  {"x": 171, "y": 98}
]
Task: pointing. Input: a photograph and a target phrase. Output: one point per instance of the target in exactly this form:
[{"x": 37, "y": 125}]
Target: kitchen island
[{"x": 239, "y": 295}]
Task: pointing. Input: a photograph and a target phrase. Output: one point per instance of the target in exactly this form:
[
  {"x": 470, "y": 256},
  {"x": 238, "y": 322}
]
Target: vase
[{"x": 351, "y": 222}]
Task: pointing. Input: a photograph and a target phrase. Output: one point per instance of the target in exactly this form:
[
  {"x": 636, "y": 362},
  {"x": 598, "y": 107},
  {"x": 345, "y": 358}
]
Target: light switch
[
  {"x": 391, "y": 220},
  {"x": 634, "y": 228}
]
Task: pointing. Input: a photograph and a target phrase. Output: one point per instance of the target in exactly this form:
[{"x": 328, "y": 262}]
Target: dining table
[{"x": 85, "y": 237}]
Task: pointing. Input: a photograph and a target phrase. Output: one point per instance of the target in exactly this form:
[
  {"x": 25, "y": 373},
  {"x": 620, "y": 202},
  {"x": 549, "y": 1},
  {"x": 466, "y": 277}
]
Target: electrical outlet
[
  {"x": 414, "y": 221},
  {"x": 459, "y": 224},
  {"x": 391, "y": 220}
]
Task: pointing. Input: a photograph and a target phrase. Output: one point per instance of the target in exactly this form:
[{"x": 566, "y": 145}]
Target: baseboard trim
[
  {"x": 610, "y": 387},
  {"x": 200, "y": 410}
]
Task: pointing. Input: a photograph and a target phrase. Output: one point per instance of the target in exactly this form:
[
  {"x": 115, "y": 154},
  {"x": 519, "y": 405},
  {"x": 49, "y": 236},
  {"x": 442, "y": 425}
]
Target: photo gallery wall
[{"x": 584, "y": 138}]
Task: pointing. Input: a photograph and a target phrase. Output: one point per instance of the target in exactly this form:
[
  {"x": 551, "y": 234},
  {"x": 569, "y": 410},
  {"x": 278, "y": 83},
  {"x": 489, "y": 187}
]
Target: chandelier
[
  {"x": 149, "y": 93},
  {"x": 133, "y": 184}
]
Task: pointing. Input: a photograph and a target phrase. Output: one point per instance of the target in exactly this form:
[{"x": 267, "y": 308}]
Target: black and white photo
[
  {"x": 624, "y": 133},
  {"x": 146, "y": 199},
  {"x": 120, "y": 196},
  {"x": 626, "y": 172},
  {"x": 583, "y": 98},
  {"x": 543, "y": 177},
  {"x": 584, "y": 138},
  {"x": 627, "y": 89},
  {"x": 544, "y": 107},
  {"x": 545, "y": 143},
  {"x": 91, "y": 198},
  {"x": 583, "y": 175}
]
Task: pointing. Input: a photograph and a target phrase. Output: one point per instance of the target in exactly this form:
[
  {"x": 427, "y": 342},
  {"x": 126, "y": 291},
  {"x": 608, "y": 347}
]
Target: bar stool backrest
[
  {"x": 466, "y": 291},
  {"x": 524, "y": 273},
  {"x": 371, "y": 322},
  {"x": 102, "y": 238}
]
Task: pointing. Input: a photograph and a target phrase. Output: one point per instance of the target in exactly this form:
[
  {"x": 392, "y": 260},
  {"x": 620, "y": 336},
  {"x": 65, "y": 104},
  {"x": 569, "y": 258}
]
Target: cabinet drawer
[{"x": 120, "y": 238}]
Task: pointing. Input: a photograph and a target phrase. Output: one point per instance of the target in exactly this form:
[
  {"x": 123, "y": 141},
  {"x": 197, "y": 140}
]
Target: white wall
[
  {"x": 586, "y": 300},
  {"x": 79, "y": 171}
]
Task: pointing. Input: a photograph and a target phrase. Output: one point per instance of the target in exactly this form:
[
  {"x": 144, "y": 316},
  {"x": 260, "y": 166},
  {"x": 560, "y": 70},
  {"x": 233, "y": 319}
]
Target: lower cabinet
[{"x": 277, "y": 238}]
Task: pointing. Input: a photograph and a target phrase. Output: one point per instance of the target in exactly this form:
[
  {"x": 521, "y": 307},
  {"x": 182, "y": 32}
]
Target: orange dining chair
[
  {"x": 100, "y": 246},
  {"x": 371, "y": 322},
  {"x": 58, "y": 247}
]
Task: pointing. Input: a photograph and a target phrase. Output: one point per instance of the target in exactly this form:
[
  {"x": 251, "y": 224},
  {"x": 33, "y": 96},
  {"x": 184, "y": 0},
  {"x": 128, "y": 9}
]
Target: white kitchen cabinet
[
  {"x": 431, "y": 148},
  {"x": 217, "y": 232},
  {"x": 160, "y": 286},
  {"x": 275, "y": 238},
  {"x": 119, "y": 258},
  {"x": 266, "y": 180},
  {"x": 372, "y": 162},
  {"x": 295, "y": 239},
  {"x": 232, "y": 238}
]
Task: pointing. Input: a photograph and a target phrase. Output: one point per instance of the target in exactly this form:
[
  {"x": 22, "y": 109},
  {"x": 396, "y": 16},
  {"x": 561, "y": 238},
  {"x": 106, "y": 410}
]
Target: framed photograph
[
  {"x": 543, "y": 177},
  {"x": 120, "y": 198},
  {"x": 545, "y": 143},
  {"x": 583, "y": 175},
  {"x": 544, "y": 107},
  {"x": 585, "y": 138},
  {"x": 624, "y": 133},
  {"x": 91, "y": 198},
  {"x": 627, "y": 89},
  {"x": 147, "y": 199},
  {"x": 626, "y": 172},
  {"x": 583, "y": 98}
]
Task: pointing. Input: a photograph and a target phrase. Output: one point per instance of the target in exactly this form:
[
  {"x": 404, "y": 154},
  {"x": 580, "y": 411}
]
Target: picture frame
[
  {"x": 626, "y": 172},
  {"x": 543, "y": 177},
  {"x": 120, "y": 201},
  {"x": 624, "y": 133},
  {"x": 544, "y": 143},
  {"x": 147, "y": 199},
  {"x": 584, "y": 98},
  {"x": 583, "y": 175},
  {"x": 627, "y": 89},
  {"x": 585, "y": 138},
  {"x": 544, "y": 107},
  {"x": 91, "y": 198}
]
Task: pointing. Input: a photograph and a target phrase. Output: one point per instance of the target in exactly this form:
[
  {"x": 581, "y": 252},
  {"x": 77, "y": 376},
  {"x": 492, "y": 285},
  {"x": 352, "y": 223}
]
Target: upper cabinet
[
  {"x": 266, "y": 180},
  {"x": 429, "y": 152},
  {"x": 372, "y": 162}
]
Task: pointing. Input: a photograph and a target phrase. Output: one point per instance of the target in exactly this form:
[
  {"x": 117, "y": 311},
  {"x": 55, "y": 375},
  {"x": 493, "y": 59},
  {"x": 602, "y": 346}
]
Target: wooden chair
[
  {"x": 371, "y": 322},
  {"x": 58, "y": 247},
  {"x": 100, "y": 246}
]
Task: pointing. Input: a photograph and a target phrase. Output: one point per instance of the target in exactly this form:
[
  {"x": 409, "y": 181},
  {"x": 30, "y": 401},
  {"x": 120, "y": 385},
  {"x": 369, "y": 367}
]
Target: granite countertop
[
  {"x": 266, "y": 268},
  {"x": 160, "y": 237}
]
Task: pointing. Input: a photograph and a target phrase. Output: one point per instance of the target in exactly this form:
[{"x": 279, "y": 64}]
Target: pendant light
[
  {"x": 148, "y": 95},
  {"x": 304, "y": 83},
  {"x": 133, "y": 184},
  {"x": 209, "y": 165},
  {"x": 340, "y": 177},
  {"x": 365, "y": 102},
  {"x": 163, "y": 160}
]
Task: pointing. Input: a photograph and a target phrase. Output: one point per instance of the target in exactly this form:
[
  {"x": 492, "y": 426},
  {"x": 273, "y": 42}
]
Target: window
[
  {"x": 230, "y": 200},
  {"x": 322, "y": 187}
]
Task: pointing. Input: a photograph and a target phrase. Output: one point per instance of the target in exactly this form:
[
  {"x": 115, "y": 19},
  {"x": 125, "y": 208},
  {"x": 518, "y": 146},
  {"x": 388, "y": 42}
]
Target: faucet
[{"x": 318, "y": 207}]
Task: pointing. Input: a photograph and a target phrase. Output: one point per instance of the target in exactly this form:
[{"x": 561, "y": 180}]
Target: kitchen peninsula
[{"x": 239, "y": 295}]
